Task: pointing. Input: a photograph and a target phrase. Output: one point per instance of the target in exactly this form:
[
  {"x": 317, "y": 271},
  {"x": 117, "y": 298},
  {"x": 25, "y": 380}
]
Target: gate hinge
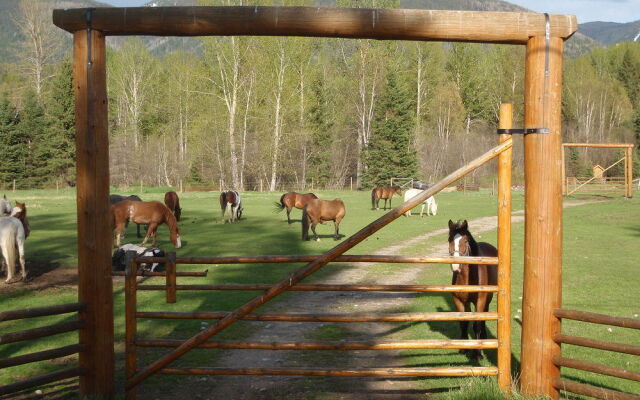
[{"x": 522, "y": 131}]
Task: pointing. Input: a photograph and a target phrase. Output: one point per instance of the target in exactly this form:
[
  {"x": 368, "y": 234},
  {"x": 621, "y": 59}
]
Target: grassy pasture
[{"x": 600, "y": 271}]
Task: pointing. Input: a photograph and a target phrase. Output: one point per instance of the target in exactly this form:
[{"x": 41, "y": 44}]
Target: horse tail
[
  {"x": 8, "y": 245},
  {"x": 280, "y": 205},
  {"x": 305, "y": 224},
  {"x": 434, "y": 207}
]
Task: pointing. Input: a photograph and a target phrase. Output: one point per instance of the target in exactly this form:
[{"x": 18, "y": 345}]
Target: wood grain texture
[
  {"x": 543, "y": 217},
  {"x": 435, "y": 371},
  {"x": 597, "y": 318},
  {"x": 390, "y": 24},
  {"x": 598, "y": 344},
  {"x": 335, "y": 288},
  {"x": 592, "y": 391},
  {"x": 504, "y": 253},
  {"x": 597, "y": 368},
  {"x": 95, "y": 287},
  {"x": 40, "y": 311}
]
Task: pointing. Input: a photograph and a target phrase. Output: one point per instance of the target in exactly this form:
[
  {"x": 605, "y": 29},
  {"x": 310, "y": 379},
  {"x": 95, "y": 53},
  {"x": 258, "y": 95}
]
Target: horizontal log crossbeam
[
  {"x": 596, "y": 368},
  {"x": 41, "y": 380},
  {"x": 596, "y": 318},
  {"x": 40, "y": 311},
  {"x": 300, "y": 317},
  {"x": 269, "y": 259},
  {"x": 598, "y": 344},
  {"x": 388, "y": 372},
  {"x": 44, "y": 331},
  {"x": 342, "y": 345},
  {"x": 153, "y": 273},
  {"x": 335, "y": 288},
  {"x": 41, "y": 356},
  {"x": 592, "y": 391},
  {"x": 356, "y": 23}
]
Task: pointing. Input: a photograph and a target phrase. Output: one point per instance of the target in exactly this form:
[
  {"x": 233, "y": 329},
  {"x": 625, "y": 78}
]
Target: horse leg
[
  {"x": 288, "y": 215},
  {"x": 10, "y": 263},
  {"x": 422, "y": 210},
  {"x": 23, "y": 265},
  {"x": 150, "y": 229},
  {"x": 479, "y": 327},
  {"x": 119, "y": 230},
  {"x": 313, "y": 228},
  {"x": 464, "y": 325},
  {"x": 336, "y": 224}
]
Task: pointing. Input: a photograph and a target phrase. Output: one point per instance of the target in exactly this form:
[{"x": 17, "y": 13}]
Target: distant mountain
[
  {"x": 9, "y": 33},
  {"x": 612, "y": 32}
]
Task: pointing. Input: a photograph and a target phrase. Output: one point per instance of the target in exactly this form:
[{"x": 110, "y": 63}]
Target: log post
[
  {"x": 504, "y": 254},
  {"x": 130, "y": 322},
  {"x": 94, "y": 230},
  {"x": 543, "y": 216},
  {"x": 170, "y": 270},
  {"x": 628, "y": 173}
]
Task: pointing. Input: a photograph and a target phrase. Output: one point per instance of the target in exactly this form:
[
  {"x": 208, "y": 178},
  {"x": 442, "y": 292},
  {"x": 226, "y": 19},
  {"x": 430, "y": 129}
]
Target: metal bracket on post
[
  {"x": 522, "y": 131},
  {"x": 88, "y": 17}
]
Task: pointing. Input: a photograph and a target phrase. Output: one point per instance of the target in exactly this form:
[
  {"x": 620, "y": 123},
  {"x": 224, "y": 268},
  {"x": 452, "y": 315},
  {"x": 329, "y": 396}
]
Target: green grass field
[{"x": 600, "y": 271}]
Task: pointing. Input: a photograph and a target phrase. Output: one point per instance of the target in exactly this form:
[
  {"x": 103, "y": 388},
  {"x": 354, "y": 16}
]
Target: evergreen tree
[
  {"x": 390, "y": 152},
  {"x": 61, "y": 135},
  {"x": 12, "y": 149},
  {"x": 322, "y": 123},
  {"x": 33, "y": 128}
]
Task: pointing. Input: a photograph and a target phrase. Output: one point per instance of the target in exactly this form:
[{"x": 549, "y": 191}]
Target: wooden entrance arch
[{"x": 543, "y": 36}]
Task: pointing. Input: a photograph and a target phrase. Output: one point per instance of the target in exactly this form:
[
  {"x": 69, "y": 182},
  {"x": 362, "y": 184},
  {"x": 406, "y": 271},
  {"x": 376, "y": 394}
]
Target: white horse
[
  {"x": 12, "y": 237},
  {"x": 432, "y": 206},
  {"x": 5, "y": 206}
]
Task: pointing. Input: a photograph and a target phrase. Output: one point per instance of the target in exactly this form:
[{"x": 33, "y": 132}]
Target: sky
[{"x": 585, "y": 10}]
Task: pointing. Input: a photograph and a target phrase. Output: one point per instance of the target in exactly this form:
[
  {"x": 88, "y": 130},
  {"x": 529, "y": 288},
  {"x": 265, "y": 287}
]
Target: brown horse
[
  {"x": 321, "y": 211},
  {"x": 20, "y": 212},
  {"x": 461, "y": 243},
  {"x": 116, "y": 198},
  {"x": 383, "y": 192},
  {"x": 152, "y": 213},
  {"x": 293, "y": 199},
  {"x": 172, "y": 202}
]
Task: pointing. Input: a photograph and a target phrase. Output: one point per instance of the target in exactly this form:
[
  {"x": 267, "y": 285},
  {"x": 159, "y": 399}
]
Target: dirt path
[{"x": 293, "y": 388}]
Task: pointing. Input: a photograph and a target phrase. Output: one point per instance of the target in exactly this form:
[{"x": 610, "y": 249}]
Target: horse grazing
[
  {"x": 152, "y": 213},
  {"x": 12, "y": 238},
  {"x": 117, "y": 198},
  {"x": 231, "y": 203},
  {"x": 321, "y": 211},
  {"x": 383, "y": 192},
  {"x": 293, "y": 199},
  {"x": 432, "y": 206},
  {"x": 461, "y": 243},
  {"x": 172, "y": 202}
]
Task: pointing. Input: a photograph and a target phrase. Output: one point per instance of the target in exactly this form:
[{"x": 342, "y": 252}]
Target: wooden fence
[
  {"x": 588, "y": 390},
  {"x": 41, "y": 332},
  {"x": 134, "y": 342}
]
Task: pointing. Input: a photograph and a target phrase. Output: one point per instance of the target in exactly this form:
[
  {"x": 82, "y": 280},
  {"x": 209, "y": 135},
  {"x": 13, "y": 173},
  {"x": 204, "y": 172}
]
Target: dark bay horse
[
  {"x": 293, "y": 199},
  {"x": 172, "y": 202},
  {"x": 117, "y": 198},
  {"x": 322, "y": 211},
  {"x": 152, "y": 213},
  {"x": 231, "y": 203},
  {"x": 461, "y": 243},
  {"x": 383, "y": 192}
]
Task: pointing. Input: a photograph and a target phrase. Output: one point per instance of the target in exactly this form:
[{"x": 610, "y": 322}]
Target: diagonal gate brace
[{"x": 313, "y": 266}]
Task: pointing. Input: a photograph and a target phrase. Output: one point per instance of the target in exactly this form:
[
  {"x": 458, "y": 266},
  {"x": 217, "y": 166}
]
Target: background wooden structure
[
  {"x": 608, "y": 186},
  {"x": 543, "y": 36}
]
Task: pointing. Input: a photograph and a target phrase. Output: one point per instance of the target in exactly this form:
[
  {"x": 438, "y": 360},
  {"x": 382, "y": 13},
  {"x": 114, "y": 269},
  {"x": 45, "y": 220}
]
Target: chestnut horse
[
  {"x": 293, "y": 199},
  {"x": 321, "y": 211},
  {"x": 117, "y": 198},
  {"x": 383, "y": 192},
  {"x": 461, "y": 243},
  {"x": 20, "y": 212},
  {"x": 152, "y": 213},
  {"x": 172, "y": 202},
  {"x": 231, "y": 202}
]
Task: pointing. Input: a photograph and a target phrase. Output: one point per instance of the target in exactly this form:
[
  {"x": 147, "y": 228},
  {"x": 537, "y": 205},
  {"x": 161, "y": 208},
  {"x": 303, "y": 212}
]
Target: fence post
[
  {"x": 95, "y": 238},
  {"x": 543, "y": 216},
  {"x": 170, "y": 270},
  {"x": 130, "y": 308},
  {"x": 504, "y": 254}
]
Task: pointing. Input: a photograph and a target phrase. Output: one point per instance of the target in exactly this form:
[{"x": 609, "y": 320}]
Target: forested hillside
[{"x": 255, "y": 112}]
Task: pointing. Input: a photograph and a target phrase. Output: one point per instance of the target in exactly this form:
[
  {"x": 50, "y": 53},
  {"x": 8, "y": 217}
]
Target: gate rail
[{"x": 588, "y": 390}]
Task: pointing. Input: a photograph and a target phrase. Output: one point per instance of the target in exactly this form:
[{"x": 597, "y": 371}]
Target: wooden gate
[{"x": 245, "y": 312}]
